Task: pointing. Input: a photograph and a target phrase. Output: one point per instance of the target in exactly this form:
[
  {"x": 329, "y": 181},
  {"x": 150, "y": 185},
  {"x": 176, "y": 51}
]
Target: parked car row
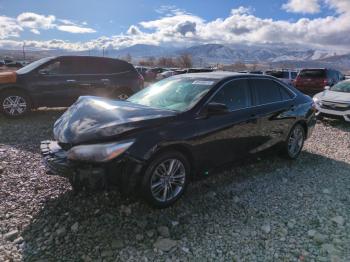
[
  {"x": 174, "y": 130},
  {"x": 157, "y": 73},
  {"x": 12, "y": 63}
]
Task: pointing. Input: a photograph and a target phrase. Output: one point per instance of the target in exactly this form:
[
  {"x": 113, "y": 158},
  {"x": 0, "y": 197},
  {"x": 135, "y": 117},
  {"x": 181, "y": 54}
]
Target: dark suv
[
  {"x": 59, "y": 81},
  {"x": 313, "y": 81}
]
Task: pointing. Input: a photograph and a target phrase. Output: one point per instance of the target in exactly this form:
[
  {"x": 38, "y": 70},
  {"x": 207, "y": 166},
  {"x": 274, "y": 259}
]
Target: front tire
[
  {"x": 14, "y": 104},
  {"x": 295, "y": 142},
  {"x": 165, "y": 179}
]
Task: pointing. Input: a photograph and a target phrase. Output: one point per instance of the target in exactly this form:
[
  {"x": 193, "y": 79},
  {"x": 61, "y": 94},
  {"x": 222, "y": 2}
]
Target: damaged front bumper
[
  {"x": 56, "y": 159},
  {"x": 123, "y": 171}
]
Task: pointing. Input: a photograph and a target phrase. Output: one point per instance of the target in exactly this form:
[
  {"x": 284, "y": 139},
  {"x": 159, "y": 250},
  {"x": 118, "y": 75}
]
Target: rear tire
[
  {"x": 165, "y": 179},
  {"x": 14, "y": 104},
  {"x": 294, "y": 144}
]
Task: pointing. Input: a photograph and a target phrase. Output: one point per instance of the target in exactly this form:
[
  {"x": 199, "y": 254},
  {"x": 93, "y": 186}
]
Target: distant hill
[{"x": 208, "y": 54}]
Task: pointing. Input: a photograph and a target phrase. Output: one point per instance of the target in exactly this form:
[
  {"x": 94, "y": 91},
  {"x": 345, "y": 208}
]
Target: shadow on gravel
[
  {"x": 30, "y": 129},
  {"x": 77, "y": 227}
]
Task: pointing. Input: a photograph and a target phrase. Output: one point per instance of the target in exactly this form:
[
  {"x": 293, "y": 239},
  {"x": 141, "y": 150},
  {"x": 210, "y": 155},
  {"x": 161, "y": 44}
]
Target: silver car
[{"x": 334, "y": 102}]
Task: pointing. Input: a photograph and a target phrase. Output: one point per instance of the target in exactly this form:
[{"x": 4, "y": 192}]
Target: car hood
[
  {"x": 8, "y": 77},
  {"x": 333, "y": 96},
  {"x": 93, "y": 119}
]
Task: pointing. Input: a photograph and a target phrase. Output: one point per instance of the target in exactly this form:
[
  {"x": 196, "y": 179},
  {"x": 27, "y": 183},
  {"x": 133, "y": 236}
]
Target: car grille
[{"x": 335, "y": 106}]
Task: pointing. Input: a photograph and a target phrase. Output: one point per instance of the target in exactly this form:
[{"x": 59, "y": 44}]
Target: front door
[
  {"x": 223, "y": 138},
  {"x": 56, "y": 83}
]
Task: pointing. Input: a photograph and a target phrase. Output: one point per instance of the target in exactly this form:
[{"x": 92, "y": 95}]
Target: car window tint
[
  {"x": 235, "y": 95},
  {"x": 312, "y": 73},
  {"x": 52, "y": 68},
  {"x": 267, "y": 91},
  {"x": 294, "y": 75}
]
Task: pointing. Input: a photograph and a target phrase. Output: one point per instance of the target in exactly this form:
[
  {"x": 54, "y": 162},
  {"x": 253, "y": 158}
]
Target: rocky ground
[{"x": 268, "y": 209}]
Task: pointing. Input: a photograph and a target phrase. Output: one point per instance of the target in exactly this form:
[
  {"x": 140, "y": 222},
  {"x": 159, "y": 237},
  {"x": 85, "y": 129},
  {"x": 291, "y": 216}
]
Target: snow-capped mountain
[
  {"x": 209, "y": 54},
  {"x": 228, "y": 54}
]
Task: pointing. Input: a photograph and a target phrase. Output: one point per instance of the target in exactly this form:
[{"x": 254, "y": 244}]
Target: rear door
[{"x": 272, "y": 102}]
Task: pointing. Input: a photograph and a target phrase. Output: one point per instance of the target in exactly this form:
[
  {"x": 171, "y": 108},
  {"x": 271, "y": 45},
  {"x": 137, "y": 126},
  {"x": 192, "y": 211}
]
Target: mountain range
[{"x": 211, "y": 54}]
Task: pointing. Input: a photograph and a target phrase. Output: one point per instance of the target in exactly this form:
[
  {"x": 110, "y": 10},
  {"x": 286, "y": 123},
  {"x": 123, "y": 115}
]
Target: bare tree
[{"x": 185, "y": 61}]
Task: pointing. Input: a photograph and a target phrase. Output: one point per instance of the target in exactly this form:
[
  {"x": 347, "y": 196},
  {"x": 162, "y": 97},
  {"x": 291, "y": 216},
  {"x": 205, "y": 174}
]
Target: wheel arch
[
  {"x": 18, "y": 89},
  {"x": 304, "y": 125},
  {"x": 181, "y": 148}
]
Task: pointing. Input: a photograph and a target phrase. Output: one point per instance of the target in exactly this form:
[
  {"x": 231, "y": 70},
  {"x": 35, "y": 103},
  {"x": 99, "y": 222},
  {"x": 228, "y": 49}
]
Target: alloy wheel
[
  {"x": 14, "y": 105},
  {"x": 168, "y": 180},
  {"x": 296, "y": 141}
]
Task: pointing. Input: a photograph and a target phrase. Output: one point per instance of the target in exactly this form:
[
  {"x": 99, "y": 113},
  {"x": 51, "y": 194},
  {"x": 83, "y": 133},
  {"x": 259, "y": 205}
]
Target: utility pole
[
  {"x": 24, "y": 52},
  {"x": 103, "y": 51}
]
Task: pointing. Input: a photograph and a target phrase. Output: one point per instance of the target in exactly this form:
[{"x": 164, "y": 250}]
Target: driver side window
[
  {"x": 235, "y": 95},
  {"x": 52, "y": 68}
]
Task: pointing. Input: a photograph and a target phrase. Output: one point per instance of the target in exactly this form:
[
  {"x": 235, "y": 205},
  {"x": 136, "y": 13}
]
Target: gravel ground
[{"x": 267, "y": 209}]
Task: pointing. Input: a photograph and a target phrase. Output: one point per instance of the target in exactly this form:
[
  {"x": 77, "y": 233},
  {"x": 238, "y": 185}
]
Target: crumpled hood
[
  {"x": 332, "y": 96},
  {"x": 95, "y": 118},
  {"x": 8, "y": 77}
]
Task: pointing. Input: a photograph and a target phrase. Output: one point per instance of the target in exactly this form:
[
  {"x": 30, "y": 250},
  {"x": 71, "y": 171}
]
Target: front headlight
[
  {"x": 98, "y": 152},
  {"x": 317, "y": 101}
]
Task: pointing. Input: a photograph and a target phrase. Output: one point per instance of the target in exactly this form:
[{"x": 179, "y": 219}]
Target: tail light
[{"x": 325, "y": 82}]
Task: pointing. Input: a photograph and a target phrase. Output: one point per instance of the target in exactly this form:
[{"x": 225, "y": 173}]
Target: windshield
[
  {"x": 341, "y": 87},
  {"x": 177, "y": 94},
  {"x": 33, "y": 65}
]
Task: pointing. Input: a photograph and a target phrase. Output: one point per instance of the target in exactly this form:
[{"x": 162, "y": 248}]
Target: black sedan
[
  {"x": 59, "y": 81},
  {"x": 172, "y": 131}
]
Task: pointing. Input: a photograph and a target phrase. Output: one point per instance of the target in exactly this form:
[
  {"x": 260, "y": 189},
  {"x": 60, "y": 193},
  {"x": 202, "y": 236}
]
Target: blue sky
[{"x": 82, "y": 23}]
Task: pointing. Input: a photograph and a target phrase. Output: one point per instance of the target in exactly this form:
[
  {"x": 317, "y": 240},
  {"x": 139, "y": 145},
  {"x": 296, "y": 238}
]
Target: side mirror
[
  {"x": 217, "y": 109},
  {"x": 327, "y": 87}
]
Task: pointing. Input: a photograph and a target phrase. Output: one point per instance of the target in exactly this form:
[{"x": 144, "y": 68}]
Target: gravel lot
[{"x": 266, "y": 209}]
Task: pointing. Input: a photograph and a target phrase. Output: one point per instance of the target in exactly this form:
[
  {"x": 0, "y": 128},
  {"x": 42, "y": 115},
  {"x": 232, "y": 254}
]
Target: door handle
[{"x": 71, "y": 80}]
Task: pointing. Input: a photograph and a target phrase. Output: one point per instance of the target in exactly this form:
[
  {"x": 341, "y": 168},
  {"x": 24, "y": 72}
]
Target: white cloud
[
  {"x": 179, "y": 28},
  {"x": 36, "y": 21},
  {"x": 302, "y": 6},
  {"x": 134, "y": 30},
  {"x": 75, "y": 29},
  {"x": 9, "y": 27},
  {"x": 35, "y": 31}
]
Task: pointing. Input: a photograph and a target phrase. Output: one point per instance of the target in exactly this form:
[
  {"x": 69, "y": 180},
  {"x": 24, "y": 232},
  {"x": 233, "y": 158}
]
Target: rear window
[
  {"x": 267, "y": 91},
  {"x": 313, "y": 73}
]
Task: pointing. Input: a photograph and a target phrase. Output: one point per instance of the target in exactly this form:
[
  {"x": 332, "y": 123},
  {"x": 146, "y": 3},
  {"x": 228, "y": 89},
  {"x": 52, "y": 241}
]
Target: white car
[{"x": 334, "y": 102}]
